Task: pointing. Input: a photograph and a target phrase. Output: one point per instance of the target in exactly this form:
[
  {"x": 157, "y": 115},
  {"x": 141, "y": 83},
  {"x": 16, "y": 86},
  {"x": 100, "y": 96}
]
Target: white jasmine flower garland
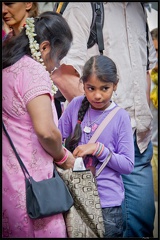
[{"x": 34, "y": 46}]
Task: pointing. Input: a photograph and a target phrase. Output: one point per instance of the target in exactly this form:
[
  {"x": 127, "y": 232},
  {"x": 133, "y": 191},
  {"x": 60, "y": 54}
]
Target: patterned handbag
[{"x": 85, "y": 219}]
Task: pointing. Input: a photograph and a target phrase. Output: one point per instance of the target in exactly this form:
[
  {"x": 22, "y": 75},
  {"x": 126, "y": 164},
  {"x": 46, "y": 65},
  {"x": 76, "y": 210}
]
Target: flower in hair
[{"x": 34, "y": 46}]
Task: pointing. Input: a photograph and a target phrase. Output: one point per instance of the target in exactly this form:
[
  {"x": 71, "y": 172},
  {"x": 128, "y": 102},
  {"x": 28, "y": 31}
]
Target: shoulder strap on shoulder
[
  {"x": 96, "y": 35},
  {"x": 103, "y": 124},
  {"x": 99, "y": 25}
]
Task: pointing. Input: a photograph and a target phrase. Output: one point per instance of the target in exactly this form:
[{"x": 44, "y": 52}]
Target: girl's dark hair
[
  {"x": 101, "y": 66},
  {"x": 105, "y": 70},
  {"x": 49, "y": 26}
]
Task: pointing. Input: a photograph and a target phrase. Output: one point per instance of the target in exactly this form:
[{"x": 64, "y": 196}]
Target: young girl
[{"x": 100, "y": 81}]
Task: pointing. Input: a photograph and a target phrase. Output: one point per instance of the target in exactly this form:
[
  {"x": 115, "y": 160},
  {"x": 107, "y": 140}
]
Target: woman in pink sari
[{"x": 30, "y": 117}]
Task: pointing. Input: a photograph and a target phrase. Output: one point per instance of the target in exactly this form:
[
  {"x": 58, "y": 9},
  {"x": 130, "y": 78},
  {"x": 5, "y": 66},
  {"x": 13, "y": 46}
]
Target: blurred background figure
[
  {"x": 45, "y": 6},
  {"x": 14, "y": 15},
  {"x": 154, "y": 110}
]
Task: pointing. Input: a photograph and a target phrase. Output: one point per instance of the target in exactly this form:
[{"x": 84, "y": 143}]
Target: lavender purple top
[{"x": 117, "y": 136}]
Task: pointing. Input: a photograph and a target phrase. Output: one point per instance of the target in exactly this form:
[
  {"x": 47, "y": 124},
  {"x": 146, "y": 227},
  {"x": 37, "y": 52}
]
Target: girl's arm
[{"x": 121, "y": 145}]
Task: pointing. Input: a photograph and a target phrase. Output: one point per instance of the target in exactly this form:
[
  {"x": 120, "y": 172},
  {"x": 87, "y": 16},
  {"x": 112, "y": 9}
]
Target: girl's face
[
  {"x": 15, "y": 13},
  {"x": 99, "y": 93}
]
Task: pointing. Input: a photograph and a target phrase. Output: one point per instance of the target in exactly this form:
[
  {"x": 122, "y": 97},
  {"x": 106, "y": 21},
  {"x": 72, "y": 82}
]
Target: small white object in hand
[{"x": 79, "y": 164}]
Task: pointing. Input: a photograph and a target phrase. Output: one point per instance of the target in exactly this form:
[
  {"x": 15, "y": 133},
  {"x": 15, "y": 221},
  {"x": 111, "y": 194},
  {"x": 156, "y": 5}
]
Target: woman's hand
[
  {"x": 69, "y": 163},
  {"x": 83, "y": 150}
]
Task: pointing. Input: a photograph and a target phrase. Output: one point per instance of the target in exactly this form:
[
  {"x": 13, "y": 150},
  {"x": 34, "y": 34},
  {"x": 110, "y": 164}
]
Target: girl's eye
[
  {"x": 105, "y": 88},
  {"x": 90, "y": 88}
]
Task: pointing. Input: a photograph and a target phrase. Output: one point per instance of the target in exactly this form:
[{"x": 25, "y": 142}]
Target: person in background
[
  {"x": 154, "y": 110},
  {"x": 30, "y": 117},
  {"x": 14, "y": 15},
  {"x": 125, "y": 43},
  {"x": 100, "y": 81},
  {"x": 45, "y": 6}
]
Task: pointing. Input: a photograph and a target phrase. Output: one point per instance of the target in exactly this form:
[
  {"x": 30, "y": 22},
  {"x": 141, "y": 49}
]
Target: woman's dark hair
[
  {"x": 105, "y": 70},
  {"x": 49, "y": 26}
]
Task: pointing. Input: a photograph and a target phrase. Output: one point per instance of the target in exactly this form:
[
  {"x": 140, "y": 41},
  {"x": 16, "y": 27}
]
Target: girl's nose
[{"x": 97, "y": 95}]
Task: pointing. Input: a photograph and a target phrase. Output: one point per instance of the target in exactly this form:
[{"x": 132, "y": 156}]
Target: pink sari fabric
[{"x": 22, "y": 82}]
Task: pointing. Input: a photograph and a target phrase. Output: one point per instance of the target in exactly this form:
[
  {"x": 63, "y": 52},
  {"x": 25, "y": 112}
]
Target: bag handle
[
  {"x": 103, "y": 164},
  {"x": 97, "y": 133},
  {"x": 24, "y": 169}
]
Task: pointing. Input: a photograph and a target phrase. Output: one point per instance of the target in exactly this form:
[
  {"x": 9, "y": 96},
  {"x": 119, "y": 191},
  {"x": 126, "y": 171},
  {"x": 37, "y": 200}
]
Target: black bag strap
[
  {"x": 24, "y": 169},
  {"x": 96, "y": 34},
  {"x": 98, "y": 10},
  {"x": 147, "y": 36}
]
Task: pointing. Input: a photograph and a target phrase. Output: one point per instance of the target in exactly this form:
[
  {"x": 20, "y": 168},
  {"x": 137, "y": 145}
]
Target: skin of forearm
[
  {"x": 53, "y": 145},
  {"x": 68, "y": 82},
  {"x": 49, "y": 136}
]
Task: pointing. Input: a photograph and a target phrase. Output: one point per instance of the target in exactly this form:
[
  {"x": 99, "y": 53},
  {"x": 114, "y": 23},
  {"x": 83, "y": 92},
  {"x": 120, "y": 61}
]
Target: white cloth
[{"x": 79, "y": 164}]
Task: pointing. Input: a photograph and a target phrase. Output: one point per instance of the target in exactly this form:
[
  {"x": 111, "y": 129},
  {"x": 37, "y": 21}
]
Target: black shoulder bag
[{"x": 47, "y": 197}]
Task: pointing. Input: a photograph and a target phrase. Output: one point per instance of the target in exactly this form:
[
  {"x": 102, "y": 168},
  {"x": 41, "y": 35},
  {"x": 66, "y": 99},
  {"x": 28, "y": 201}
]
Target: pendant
[{"x": 87, "y": 129}]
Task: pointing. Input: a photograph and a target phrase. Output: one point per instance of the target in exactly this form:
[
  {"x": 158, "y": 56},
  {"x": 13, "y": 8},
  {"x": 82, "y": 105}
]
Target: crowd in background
[{"x": 67, "y": 67}]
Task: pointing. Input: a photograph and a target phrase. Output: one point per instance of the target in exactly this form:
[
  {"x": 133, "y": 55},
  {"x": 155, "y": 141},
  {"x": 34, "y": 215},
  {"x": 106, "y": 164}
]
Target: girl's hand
[{"x": 83, "y": 150}]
